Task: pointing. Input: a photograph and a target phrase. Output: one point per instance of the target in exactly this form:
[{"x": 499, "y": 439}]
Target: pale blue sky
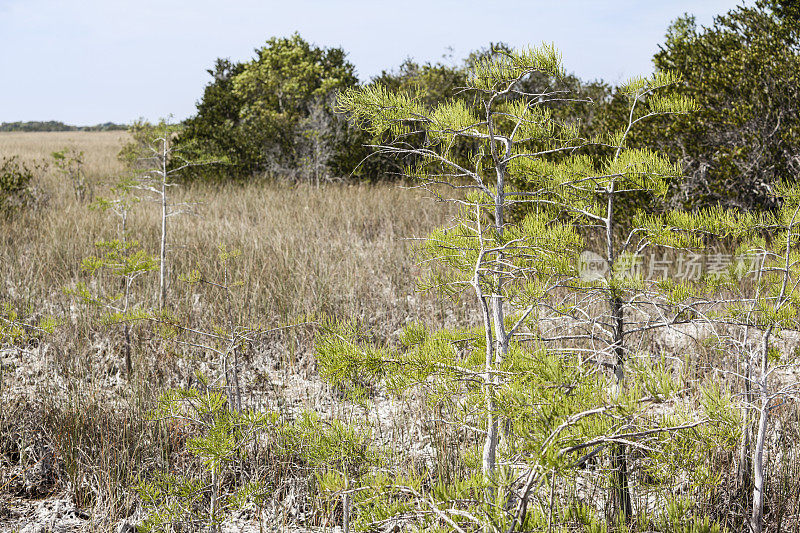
[{"x": 90, "y": 61}]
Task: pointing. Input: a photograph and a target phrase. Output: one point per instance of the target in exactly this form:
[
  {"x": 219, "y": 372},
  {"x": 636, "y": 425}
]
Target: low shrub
[{"x": 17, "y": 185}]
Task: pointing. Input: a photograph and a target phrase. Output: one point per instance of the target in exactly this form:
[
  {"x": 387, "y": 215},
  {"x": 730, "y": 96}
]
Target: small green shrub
[
  {"x": 16, "y": 184},
  {"x": 220, "y": 438}
]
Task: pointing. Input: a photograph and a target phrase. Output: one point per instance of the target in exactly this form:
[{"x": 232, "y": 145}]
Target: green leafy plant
[
  {"x": 533, "y": 376},
  {"x": 339, "y": 455},
  {"x": 15, "y": 329},
  {"x": 69, "y": 164},
  {"x": 16, "y": 184},
  {"x": 752, "y": 307},
  {"x": 219, "y": 439},
  {"x": 124, "y": 261}
]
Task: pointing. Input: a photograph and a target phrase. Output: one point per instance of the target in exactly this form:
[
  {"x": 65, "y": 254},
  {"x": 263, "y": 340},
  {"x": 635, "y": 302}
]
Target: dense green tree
[
  {"x": 432, "y": 82},
  {"x": 256, "y": 113},
  {"x": 743, "y": 71},
  {"x": 786, "y": 9},
  {"x": 279, "y": 88},
  {"x": 273, "y": 114},
  {"x": 215, "y": 128}
]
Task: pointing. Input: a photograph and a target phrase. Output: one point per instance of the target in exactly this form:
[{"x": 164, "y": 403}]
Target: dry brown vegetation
[
  {"x": 341, "y": 251},
  {"x": 99, "y": 147}
]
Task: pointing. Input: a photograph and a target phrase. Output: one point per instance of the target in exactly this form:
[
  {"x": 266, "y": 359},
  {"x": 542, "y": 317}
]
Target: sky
[{"x": 92, "y": 61}]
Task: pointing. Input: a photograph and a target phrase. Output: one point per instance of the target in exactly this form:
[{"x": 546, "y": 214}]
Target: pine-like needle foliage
[{"x": 550, "y": 377}]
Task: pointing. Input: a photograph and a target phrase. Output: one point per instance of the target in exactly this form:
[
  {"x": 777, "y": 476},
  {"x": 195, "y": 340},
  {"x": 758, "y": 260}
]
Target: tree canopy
[
  {"x": 273, "y": 115},
  {"x": 253, "y": 112},
  {"x": 743, "y": 71}
]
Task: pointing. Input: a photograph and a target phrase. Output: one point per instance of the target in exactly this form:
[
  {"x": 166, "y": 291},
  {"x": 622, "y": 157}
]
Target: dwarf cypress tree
[
  {"x": 534, "y": 371},
  {"x": 752, "y": 303}
]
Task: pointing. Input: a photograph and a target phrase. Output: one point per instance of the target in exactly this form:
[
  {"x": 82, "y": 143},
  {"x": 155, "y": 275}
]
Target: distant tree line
[
  {"x": 53, "y": 125},
  {"x": 275, "y": 115}
]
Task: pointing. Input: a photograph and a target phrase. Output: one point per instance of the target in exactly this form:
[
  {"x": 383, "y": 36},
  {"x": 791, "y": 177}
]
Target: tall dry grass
[
  {"x": 338, "y": 250},
  {"x": 100, "y": 148},
  {"x": 343, "y": 251}
]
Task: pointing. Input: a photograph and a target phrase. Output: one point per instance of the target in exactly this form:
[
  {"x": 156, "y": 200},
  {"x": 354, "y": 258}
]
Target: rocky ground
[{"x": 29, "y": 504}]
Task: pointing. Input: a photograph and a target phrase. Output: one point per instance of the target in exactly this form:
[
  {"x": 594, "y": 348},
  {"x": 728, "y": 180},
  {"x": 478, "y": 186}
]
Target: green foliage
[
  {"x": 503, "y": 69},
  {"x": 114, "y": 271},
  {"x": 347, "y": 361},
  {"x": 124, "y": 261},
  {"x": 220, "y": 438},
  {"x": 540, "y": 394},
  {"x": 678, "y": 517},
  {"x": 20, "y": 329},
  {"x": 431, "y": 82},
  {"x": 329, "y": 445},
  {"x": 216, "y": 129},
  {"x": 17, "y": 329},
  {"x": 155, "y": 155},
  {"x": 144, "y": 154},
  {"x": 520, "y": 370},
  {"x": 262, "y": 113},
  {"x": 334, "y": 454},
  {"x": 259, "y": 114},
  {"x": 168, "y": 499},
  {"x": 120, "y": 259},
  {"x": 287, "y": 75},
  {"x": 743, "y": 73},
  {"x": 759, "y": 302}
]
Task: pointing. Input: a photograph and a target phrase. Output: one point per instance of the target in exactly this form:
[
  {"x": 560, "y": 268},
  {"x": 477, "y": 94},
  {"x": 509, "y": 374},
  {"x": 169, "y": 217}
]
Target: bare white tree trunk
[
  {"x": 490, "y": 441},
  {"x": 495, "y": 324},
  {"x": 162, "y": 282},
  {"x": 744, "y": 468},
  {"x": 346, "y": 506},
  {"x": 757, "y": 516}
]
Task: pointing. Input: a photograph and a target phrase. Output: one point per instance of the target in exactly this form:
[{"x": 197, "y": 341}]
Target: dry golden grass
[
  {"x": 336, "y": 250},
  {"x": 340, "y": 250},
  {"x": 100, "y": 148}
]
